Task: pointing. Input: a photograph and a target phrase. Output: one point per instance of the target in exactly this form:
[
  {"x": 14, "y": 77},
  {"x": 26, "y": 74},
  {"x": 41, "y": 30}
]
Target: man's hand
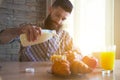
[{"x": 32, "y": 31}]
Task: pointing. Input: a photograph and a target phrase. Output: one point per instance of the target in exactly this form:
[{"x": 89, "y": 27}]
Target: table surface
[{"x": 16, "y": 71}]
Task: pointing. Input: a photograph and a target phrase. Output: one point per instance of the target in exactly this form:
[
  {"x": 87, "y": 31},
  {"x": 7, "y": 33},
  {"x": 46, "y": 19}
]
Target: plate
[{"x": 70, "y": 76}]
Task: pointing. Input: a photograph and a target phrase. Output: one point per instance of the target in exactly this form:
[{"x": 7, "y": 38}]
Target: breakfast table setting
[
  {"x": 42, "y": 71},
  {"x": 65, "y": 67}
]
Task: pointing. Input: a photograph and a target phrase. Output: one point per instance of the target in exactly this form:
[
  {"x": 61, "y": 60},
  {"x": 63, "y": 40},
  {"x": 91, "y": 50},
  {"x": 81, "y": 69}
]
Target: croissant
[
  {"x": 61, "y": 68},
  {"x": 78, "y": 66},
  {"x": 72, "y": 55},
  {"x": 57, "y": 57},
  {"x": 60, "y": 65},
  {"x": 64, "y": 65}
]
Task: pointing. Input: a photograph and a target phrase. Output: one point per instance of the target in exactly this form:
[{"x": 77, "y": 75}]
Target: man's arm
[
  {"x": 9, "y": 34},
  {"x": 30, "y": 30}
]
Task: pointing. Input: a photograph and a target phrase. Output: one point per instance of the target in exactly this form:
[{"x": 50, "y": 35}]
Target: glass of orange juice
[{"x": 107, "y": 58}]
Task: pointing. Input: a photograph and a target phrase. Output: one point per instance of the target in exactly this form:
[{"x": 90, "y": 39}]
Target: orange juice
[{"x": 107, "y": 60}]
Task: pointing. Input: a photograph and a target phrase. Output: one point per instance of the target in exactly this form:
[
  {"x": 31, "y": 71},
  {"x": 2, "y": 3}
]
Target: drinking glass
[{"x": 107, "y": 58}]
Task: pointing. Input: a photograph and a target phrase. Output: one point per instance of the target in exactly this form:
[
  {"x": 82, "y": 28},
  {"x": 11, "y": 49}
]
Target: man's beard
[{"x": 51, "y": 25}]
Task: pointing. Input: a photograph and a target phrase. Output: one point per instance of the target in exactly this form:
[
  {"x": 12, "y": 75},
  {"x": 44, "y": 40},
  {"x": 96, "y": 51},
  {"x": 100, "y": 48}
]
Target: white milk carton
[{"x": 45, "y": 35}]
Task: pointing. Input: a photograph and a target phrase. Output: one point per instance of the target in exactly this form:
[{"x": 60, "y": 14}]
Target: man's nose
[{"x": 59, "y": 21}]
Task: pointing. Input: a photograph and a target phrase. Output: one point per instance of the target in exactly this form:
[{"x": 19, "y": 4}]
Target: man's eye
[{"x": 63, "y": 19}]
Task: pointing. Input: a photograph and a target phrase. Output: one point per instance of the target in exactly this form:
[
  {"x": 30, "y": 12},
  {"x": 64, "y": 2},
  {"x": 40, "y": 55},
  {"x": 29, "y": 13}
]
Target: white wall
[{"x": 117, "y": 26}]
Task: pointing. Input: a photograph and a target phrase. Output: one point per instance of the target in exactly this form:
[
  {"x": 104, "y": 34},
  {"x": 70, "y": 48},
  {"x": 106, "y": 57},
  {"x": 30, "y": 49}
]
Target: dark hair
[{"x": 64, "y": 4}]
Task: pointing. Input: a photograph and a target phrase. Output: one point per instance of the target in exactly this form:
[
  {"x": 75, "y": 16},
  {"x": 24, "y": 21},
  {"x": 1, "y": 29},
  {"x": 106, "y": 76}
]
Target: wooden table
[{"x": 16, "y": 71}]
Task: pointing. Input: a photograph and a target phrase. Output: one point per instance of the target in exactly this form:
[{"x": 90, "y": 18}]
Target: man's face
[{"x": 55, "y": 19}]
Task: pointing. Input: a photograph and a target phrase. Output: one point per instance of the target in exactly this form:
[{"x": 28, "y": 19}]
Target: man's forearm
[{"x": 9, "y": 34}]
